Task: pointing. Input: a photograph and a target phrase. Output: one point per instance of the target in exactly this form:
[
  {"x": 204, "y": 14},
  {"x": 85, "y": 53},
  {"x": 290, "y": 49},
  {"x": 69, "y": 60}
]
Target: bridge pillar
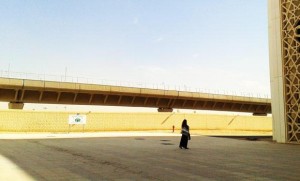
[
  {"x": 162, "y": 109},
  {"x": 284, "y": 51},
  {"x": 15, "y": 105},
  {"x": 259, "y": 114}
]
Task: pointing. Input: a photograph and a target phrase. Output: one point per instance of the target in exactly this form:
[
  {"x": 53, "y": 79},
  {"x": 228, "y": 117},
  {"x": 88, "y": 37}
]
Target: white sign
[{"x": 77, "y": 119}]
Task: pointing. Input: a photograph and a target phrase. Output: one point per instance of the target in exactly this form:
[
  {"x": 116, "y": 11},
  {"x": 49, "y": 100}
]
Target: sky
[{"x": 208, "y": 45}]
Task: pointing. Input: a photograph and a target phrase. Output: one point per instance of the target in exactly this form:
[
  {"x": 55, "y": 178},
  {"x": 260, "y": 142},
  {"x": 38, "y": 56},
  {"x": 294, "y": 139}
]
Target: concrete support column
[
  {"x": 15, "y": 105},
  {"x": 276, "y": 71},
  {"x": 162, "y": 109}
]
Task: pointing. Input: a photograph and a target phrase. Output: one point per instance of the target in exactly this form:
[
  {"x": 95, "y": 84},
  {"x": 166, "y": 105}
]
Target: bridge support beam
[
  {"x": 161, "y": 109},
  {"x": 259, "y": 114},
  {"x": 284, "y": 50},
  {"x": 15, "y": 105}
]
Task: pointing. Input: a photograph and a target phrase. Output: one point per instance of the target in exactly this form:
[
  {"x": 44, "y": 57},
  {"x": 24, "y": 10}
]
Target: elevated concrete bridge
[{"x": 20, "y": 91}]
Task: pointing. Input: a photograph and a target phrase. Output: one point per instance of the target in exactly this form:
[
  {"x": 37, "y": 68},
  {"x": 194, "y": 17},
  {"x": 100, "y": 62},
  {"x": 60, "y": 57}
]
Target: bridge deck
[{"x": 35, "y": 91}]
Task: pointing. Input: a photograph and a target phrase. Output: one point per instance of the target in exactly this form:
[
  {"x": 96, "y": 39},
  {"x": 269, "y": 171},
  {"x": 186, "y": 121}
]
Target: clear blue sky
[{"x": 207, "y": 44}]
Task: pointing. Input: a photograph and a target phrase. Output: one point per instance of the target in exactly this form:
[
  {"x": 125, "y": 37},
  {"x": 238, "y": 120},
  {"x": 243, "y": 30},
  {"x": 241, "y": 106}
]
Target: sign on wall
[{"x": 77, "y": 119}]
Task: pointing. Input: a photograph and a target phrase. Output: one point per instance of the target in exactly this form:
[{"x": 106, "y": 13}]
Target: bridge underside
[
  {"x": 105, "y": 99},
  {"x": 17, "y": 91}
]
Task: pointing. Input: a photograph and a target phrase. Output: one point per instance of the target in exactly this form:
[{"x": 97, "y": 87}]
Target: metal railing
[{"x": 89, "y": 80}]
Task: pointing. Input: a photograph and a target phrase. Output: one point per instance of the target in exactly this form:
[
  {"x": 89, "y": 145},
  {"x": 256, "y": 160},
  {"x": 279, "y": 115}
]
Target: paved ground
[{"x": 137, "y": 157}]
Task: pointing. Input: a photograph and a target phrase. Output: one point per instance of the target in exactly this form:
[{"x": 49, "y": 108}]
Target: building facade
[{"x": 284, "y": 42}]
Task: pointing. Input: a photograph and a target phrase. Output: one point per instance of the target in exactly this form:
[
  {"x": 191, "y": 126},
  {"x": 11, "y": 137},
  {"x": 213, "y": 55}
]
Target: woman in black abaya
[{"x": 185, "y": 131}]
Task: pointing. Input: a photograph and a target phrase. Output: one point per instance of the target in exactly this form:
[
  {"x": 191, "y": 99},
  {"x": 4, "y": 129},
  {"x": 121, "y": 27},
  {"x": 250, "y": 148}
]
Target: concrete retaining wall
[{"x": 36, "y": 121}]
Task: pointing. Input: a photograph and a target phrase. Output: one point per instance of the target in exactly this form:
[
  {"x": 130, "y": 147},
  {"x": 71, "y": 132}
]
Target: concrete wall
[{"x": 36, "y": 121}]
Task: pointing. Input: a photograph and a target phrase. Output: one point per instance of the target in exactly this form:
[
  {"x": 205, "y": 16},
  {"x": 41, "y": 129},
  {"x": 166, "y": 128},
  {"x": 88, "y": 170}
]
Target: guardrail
[{"x": 88, "y": 80}]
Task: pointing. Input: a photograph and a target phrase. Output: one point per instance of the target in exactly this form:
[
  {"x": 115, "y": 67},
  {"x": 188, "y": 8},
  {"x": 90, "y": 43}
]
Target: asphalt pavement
[{"x": 144, "y": 156}]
